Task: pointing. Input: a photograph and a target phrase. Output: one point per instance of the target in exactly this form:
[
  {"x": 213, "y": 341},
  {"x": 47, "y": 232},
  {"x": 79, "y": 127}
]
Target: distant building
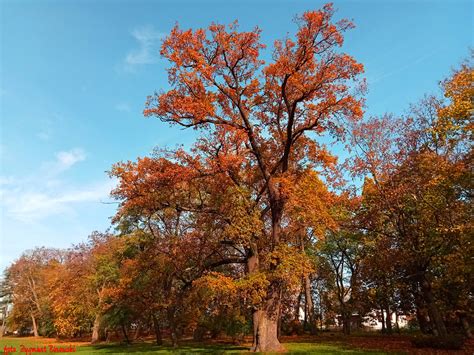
[{"x": 374, "y": 320}]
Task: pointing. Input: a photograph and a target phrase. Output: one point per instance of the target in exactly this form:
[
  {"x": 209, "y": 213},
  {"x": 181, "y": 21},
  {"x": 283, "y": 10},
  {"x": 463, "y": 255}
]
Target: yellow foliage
[
  {"x": 458, "y": 114},
  {"x": 288, "y": 265}
]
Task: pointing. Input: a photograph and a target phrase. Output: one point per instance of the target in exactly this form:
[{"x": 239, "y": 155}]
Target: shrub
[{"x": 294, "y": 327}]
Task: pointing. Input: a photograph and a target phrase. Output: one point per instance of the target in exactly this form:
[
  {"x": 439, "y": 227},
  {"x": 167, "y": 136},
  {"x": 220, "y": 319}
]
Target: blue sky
[{"x": 74, "y": 76}]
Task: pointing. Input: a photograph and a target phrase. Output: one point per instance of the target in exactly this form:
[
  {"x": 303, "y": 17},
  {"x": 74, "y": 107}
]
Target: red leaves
[
  {"x": 217, "y": 79},
  {"x": 209, "y": 69},
  {"x": 149, "y": 184}
]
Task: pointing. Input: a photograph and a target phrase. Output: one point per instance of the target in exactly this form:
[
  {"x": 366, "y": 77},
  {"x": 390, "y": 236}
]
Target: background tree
[
  {"x": 418, "y": 199},
  {"x": 28, "y": 279}
]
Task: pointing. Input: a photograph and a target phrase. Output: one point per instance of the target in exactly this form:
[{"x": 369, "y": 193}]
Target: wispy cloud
[
  {"x": 123, "y": 107},
  {"x": 44, "y": 135},
  {"x": 66, "y": 159},
  {"x": 30, "y": 205},
  {"x": 46, "y": 131},
  {"x": 401, "y": 68},
  {"x": 148, "y": 40},
  {"x": 6, "y": 180},
  {"x": 46, "y": 193},
  {"x": 3, "y": 152},
  {"x": 63, "y": 161}
]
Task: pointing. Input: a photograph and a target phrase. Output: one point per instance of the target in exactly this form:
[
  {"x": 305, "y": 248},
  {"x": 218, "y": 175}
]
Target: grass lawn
[{"x": 185, "y": 348}]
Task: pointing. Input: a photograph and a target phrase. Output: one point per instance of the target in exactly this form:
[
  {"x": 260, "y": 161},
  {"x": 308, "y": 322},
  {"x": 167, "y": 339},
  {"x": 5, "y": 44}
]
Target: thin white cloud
[
  {"x": 46, "y": 193},
  {"x": 148, "y": 40},
  {"x": 46, "y": 131},
  {"x": 6, "y": 180},
  {"x": 403, "y": 67},
  {"x": 67, "y": 159},
  {"x": 123, "y": 107},
  {"x": 3, "y": 153},
  {"x": 44, "y": 135},
  {"x": 31, "y": 205}
]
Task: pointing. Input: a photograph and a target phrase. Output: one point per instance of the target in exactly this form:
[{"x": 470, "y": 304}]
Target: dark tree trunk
[
  {"x": 421, "y": 313},
  {"x": 173, "y": 328},
  {"x": 397, "y": 324},
  {"x": 124, "y": 332},
  {"x": 107, "y": 335},
  {"x": 157, "y": 329},
  {"x": 435, "y": 316},
  {"x": 309, "y": 309},
  {"x": 388, "y": 321},
  {"x": 465, "y": 325},
  {"x": 346, "y": 322},
  {"x": 215, "y": 333},
  {"x": 198, "y": 334},
  {"x": 174, "y": 338}
]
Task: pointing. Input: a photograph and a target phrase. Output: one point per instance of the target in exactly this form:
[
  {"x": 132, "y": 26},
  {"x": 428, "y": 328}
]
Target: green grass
[{"x": 186, "y": 348}]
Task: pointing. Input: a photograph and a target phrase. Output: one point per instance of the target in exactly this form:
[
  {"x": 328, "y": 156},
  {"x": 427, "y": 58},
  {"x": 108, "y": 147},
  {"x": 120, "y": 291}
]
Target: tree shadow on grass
[
  {"x": 295, "y": 348},
  {"x": 163, "y": 349},
  {"x": 333, "y": 348}
]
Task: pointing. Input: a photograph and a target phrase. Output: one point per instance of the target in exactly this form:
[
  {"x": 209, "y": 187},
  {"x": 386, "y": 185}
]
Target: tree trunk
[
  {"x": 265, "y": 332},
  {"x": 388, "y": 321},
  {"x": 346, "y": 320},
  {"x": 124, "y": 332},
  {"x": 3, "y": 326},
  {"x": 137, "y": 331},
  {"x": 435, "y": 316},
  {"x": 156, "y": 328},
  {"x": 279, "y": 324},
  {"x": 321, "y": 314},
  {"x": 107, "y": 335},
  {"x": 96, "y": 329},
  {"x": 198, "y": 334},
  {"x": 265, "y": 318},
  {"x": 309, "y": 305},
  {"x": 465, "y": 325},
  {"x": 174, "y": 338},
  {"x": 397, "y": 324},
  {"x": 35, "y": 326},
  {"x": 172, "y": 325},
  {"x": 421, "y": 313},
  {"x": 97, "y": 320},
  {"x": 346, "y": 323}
]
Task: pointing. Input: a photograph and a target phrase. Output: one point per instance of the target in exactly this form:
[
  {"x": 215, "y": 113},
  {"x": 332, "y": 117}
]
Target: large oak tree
[{"x": 268, "y": 114}]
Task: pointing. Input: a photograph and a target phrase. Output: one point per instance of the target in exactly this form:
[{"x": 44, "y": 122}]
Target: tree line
[{"x": 258, "y": 228}]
